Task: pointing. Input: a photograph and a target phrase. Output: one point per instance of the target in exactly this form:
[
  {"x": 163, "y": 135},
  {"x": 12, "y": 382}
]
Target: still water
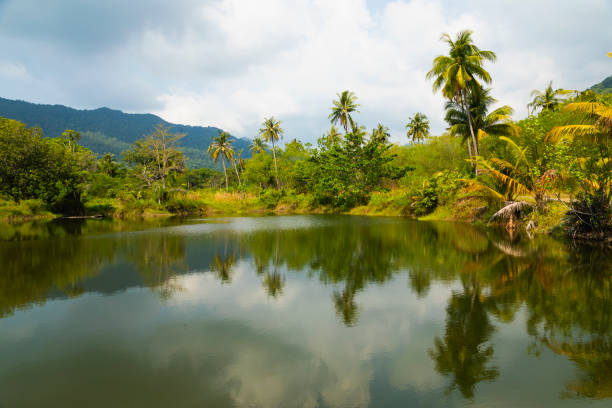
[{"x": 302, "y": 311}]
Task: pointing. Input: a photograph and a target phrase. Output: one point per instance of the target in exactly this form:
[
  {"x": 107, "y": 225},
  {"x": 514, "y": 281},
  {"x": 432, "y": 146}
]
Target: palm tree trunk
[
  {"x": 469, "y": 145},
  {"x": 225, "y": 172},
  {"x": 469, "y": 115},
  {"x": 237, "y": 175},
  {"x": 275, "y": 167}
]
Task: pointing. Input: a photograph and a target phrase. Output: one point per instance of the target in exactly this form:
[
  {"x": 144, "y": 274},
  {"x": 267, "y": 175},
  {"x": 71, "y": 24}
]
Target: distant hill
[
  {"x": 604, "y": 87},
  {"x": 107, "y": 130}
]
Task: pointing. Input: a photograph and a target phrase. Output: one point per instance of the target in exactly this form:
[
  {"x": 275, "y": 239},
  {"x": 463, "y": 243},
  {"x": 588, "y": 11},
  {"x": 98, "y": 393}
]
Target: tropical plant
[
  {"x": 592, "y": 125},
  {"x": 381, "y": 133},
  {"x": 333, "y": 136},
  {"x": 496, "y": 123},
  {"x": 456, "y": 74},
  {"x": 272, "y": 132},
  {"x": 222, "y": 146},
  {"x": 547, "y": 100},
  {"x": 418, "y": 127},
  {"x": 341, "y": 111},
  {"x": 258, "y": 145}
]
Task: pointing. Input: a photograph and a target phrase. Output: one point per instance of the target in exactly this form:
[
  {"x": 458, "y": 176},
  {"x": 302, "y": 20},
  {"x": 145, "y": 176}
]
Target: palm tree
[
  {"x": 341, "y": 111},
  {"x": 497, "y": 122},
  {"x": 547, "y": 100},
  {"x": 333, "y": 136},
  {"x": 381, "y": 133},
  {"x": 418, "y": 127},
  {"x": 258, "y": 145},
  {"x": 222, "y": 145},
  {"x": 271, "y": 131},
  {"x": 456, "y": 74}
]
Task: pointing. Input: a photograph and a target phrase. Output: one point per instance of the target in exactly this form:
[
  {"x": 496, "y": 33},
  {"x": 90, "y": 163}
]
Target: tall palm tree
[
  {"x": 497, "y": 123},
  {"x": 381, "y": 133},
  {"x": 272, "y": 132},
  {"x": 222, "y": 145},
  {"x": 258, "y": 145},
  {"x": 341, "y": 111},
  {"x": 547, "y": 100},
  {"x": 418, "y": 127},
  {"x": 456, "y": 74}
]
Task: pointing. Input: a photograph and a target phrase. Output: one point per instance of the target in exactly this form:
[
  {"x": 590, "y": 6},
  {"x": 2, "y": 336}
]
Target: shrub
[{"x": 590, "y": 213}]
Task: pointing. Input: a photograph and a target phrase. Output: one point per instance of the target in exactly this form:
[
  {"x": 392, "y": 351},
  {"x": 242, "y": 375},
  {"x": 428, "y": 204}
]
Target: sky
[{"x": 231, "y": 63}]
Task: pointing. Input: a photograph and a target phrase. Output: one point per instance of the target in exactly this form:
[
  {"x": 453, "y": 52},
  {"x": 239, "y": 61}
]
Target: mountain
[
  {"x": 604, "y": 87},
  {"x": 107, "y": 130}
]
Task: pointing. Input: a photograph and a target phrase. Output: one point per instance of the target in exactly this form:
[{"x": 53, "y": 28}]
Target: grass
[{"x": 10, "y": 211}]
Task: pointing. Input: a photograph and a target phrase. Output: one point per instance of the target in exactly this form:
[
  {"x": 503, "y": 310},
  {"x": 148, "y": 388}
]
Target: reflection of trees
[
  {"x": 463, "y": 353},
  {"x": 159, "y": 257},
  {"x": 346, "y": 307},
  {"x": 222, "y": 266},
  {"x": 30, "y": 269}
]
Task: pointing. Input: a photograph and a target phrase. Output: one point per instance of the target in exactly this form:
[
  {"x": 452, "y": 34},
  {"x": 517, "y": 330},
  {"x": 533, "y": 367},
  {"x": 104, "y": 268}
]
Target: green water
[{"x": 303, "y": 311}]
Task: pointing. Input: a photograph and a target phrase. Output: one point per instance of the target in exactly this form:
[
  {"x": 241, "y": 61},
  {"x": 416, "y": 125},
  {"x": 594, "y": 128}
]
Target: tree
[
  {"x": 156, "y": 157},
  {"x": 333, "y": 136},
  {"x": 418, "y": 127},
  {"x": 35, "y": 167},
  {"x": 341, "y": 111},
  {"x": 457, "y": 73},
  {"x": 592, "y": 126},
  {"x": 497, "y": 122},
  {"x": 547, "y": 100},
  {"x": 258, "y": 145},
  {"x": 71, "y": 137},
  {"x": 381, "y": 133},
  {"x": 272, "y": 132},
  {"x": 222, "y": 145}
]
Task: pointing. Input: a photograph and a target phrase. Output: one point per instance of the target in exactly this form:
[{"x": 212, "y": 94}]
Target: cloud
[{"x": 230, "y": 63}]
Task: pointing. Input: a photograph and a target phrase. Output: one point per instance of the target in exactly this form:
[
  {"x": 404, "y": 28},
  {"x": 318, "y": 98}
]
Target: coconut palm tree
[
  {"x": 381, "y": 133},
  {"x": 497, "y": 123},
  {"x": 258, "y": 145},
  {"x": 222, "y": 146},
  {"x": 456, "y": 74},
  {"x": 272, "y": 132},
  {"x": 547, "y": 100},
  {"x": 418, "y": 127},
  {"x": 333, "y": 136},
  {"x": 341, "y": 111}
]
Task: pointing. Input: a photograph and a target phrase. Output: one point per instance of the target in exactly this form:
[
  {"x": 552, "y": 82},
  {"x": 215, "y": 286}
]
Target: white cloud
[{"x": 230, "y": 63}]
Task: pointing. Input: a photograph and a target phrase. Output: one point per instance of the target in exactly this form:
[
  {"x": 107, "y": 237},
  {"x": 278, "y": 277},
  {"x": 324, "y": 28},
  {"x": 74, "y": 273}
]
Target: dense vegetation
[{"x": 553, "y": 165}]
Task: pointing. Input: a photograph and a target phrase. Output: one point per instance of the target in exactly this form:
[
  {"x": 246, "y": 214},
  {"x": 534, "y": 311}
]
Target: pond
[{"x": 300, "y": 311}]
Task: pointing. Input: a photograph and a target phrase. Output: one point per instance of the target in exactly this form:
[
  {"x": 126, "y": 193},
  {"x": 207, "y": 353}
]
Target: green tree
[
  {"x": 333, "y": 136},
  {"x": 418, "y": 127},
  {"x": 156, "y": 157},
  {"x": 547, "y": 100},
  {"x": 497, "y": 123},
  {"x": 35, "y": 167},
  {"x": 222, "y": 145},
  {"x": 258, "y": 145},
  {"x": 272, "y": 132},
  {"x": 457, "y": 73},
  {"x": 381, "y": 132},
  {"x": 341, "y": 111}
]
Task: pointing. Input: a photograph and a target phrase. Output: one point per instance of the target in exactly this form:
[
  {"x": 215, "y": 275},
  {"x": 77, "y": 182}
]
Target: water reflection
[{"x": 564, "y": 292}]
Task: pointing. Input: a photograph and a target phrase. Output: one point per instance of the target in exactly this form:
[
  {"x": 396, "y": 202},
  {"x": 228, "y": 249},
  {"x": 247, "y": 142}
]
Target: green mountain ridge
[
  {"x": 604, "y": 87},
  {"x": 108, "y": 130}
]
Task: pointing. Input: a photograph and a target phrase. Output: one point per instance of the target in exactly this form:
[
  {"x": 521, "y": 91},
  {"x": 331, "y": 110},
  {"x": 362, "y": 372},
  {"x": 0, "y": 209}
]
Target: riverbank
[{"x": 398, "y": 202}]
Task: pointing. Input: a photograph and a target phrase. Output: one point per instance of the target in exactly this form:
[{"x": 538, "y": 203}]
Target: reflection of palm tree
[
  {"x": 463, "y": 353},
  {"x": 223, "y": 267},
  {"x": 274, "y": 283},
  {"x": 346, "y": 308}
]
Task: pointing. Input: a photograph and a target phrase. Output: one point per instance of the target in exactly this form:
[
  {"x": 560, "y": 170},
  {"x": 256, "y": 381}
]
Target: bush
[
  {"x": 183, "y": 205},
  {"x": 591, "y": 214},
  {"x": 270, "y": 198}
]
